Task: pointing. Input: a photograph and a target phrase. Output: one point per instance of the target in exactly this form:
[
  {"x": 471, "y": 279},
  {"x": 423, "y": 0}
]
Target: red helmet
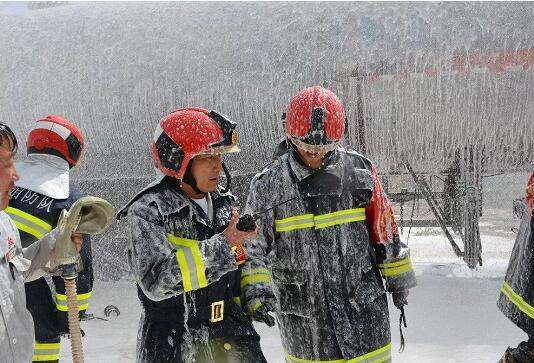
[
  {"x": 55, "y": 135},
  {"x": 315, "y": 116},
  {"x": 188, "y": 132}
]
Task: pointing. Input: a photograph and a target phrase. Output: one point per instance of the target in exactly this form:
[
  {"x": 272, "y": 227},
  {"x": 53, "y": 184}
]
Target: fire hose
[
  {"x": 74, "y": 323},
  {"x": 88, "y": 215}
]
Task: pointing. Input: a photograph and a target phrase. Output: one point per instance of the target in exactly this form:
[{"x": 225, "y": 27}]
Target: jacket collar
[
  {"x": 176, "y": 200},
  {"x": 332, "y": 165},
  {"x": 171, "y": 200},
  {"x": 324, "y": 181}
]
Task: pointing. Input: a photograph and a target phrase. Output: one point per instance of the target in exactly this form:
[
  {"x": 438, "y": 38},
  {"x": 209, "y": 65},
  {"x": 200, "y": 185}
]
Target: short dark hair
[{"x": 6, "y": 133}]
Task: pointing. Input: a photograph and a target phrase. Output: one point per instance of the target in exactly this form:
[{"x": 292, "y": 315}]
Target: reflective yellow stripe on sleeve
[
  {"x": 81, "y": 299},
  {"x": 255, "y": 271},
  {"x": 190, "y": 262},
  {"x": 517, "y": 300},
  {"x": 27, "y": 223},
  {"x": 320, "y": 221},
  {"x": 255, "y": 275},
  {"x": 292, "y": 359},
  {"x": 43, "y": 352},
  {"x": 396, "y": 268},
  {"x": 376, "y": 356}
]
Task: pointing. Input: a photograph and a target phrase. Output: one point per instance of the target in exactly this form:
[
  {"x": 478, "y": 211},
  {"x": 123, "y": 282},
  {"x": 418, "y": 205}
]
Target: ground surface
[{"x": 452, "y": 316}]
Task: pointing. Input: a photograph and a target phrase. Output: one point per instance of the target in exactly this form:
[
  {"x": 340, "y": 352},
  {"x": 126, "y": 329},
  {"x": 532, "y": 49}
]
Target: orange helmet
[
  {"x": 315, "y": 117},
  {"x": 55, "y": 135},
  {"x": 188, "y": 132}
]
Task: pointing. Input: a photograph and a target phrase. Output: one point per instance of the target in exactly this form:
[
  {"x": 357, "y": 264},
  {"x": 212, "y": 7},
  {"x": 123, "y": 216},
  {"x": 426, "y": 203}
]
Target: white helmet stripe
[
  {"x": 158, "y": 132},
  {"x": 52, "y": 126}
]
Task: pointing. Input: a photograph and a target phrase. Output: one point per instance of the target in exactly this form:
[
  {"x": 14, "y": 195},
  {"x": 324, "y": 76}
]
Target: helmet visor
[
  {"x": 224, "y": 149},
  {"x": 315, "y": 149}
]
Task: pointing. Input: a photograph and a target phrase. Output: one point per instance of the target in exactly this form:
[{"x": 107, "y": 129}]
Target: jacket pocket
[
  {"x": 291, "y": 291},
  {"x": 370, "y": 286},
  {"x": 362, "y": 186}
]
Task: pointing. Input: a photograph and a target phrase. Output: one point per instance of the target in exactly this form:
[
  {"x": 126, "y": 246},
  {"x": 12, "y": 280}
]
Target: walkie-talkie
[{"x": 247, "y": 222}]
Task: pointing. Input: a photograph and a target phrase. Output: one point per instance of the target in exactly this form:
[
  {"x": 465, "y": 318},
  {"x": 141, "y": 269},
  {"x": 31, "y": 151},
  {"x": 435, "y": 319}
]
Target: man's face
[
  {"x": 314, "y": 160},
  {"x": 8, "y": 173},
  {"x": 206, "y": 170}
]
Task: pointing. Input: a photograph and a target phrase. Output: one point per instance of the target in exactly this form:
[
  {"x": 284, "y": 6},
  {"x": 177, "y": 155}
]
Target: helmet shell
[
  {"x": 188, "y": 132},
  {"x": 315, "y": 116},
  {"x": 55, "y": 135}
]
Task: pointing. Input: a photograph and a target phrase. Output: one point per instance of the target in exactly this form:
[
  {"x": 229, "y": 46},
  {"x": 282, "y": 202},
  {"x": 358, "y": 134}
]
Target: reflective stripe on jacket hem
[
  {"x": 517, "y": 300},
  {"x": 81, "y": 299},
  {"x": 320, "y": 221},
  {"x": 45, "y": 352},
  {"x": 376, "y": 356},
  {"x": 190, "y": 262}
]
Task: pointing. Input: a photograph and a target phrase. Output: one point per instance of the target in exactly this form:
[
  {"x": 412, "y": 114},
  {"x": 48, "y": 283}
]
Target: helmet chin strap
[
  {"x": 228, "y": 178},
  {"x": 190, "y": 179}
]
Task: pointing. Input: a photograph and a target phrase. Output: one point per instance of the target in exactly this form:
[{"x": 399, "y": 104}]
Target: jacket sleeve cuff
[
  {"x": 396, "y": 268},
  {"x": 256, "y": 285},
  {"x": 218, "y": 257}
]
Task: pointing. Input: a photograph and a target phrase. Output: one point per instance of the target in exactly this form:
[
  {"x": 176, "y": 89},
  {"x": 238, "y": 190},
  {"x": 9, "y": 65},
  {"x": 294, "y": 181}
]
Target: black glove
[
  {"x": 261, "y": 314},
  {"x": 400, "y": 298}
]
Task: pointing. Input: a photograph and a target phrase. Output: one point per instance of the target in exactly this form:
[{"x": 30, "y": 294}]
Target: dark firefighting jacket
[
  {"x": 188, "y": 280},
  {"x": 516, "y": 300},
  {"x": 35, "y": 215},
  {"x": 325, "y": 253}
]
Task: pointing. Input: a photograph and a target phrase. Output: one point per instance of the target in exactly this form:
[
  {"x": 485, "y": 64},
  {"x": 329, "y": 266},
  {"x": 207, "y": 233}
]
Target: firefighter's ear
[{"x": 284, "y": 120}]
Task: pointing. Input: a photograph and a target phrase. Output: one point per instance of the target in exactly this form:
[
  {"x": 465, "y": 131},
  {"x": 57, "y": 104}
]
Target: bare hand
[
  {"x": 77, "y": 239},
  {"x": 235, "y": 236}
]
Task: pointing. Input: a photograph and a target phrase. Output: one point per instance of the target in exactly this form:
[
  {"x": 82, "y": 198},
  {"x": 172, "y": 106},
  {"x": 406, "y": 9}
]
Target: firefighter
[
  {"x": 185, "y": 250},
  {"x": 19, "y": 265},
  {"x": 327, "y": 244},
  {"x": 517, "y": 291},
  {"x": 54, "y": 147}
]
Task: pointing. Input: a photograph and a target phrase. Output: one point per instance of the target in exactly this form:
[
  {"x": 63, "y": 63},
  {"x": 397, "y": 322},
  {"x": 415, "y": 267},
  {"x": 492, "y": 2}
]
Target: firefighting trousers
[
  {"x": 41, "y": 305},
  {"x": 232, "y": 340}
]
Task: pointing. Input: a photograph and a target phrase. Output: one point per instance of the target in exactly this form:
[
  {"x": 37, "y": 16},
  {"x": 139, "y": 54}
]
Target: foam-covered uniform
[
  {"x": 516, "y": 300},
  {"x": 187, "y": 272}
]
